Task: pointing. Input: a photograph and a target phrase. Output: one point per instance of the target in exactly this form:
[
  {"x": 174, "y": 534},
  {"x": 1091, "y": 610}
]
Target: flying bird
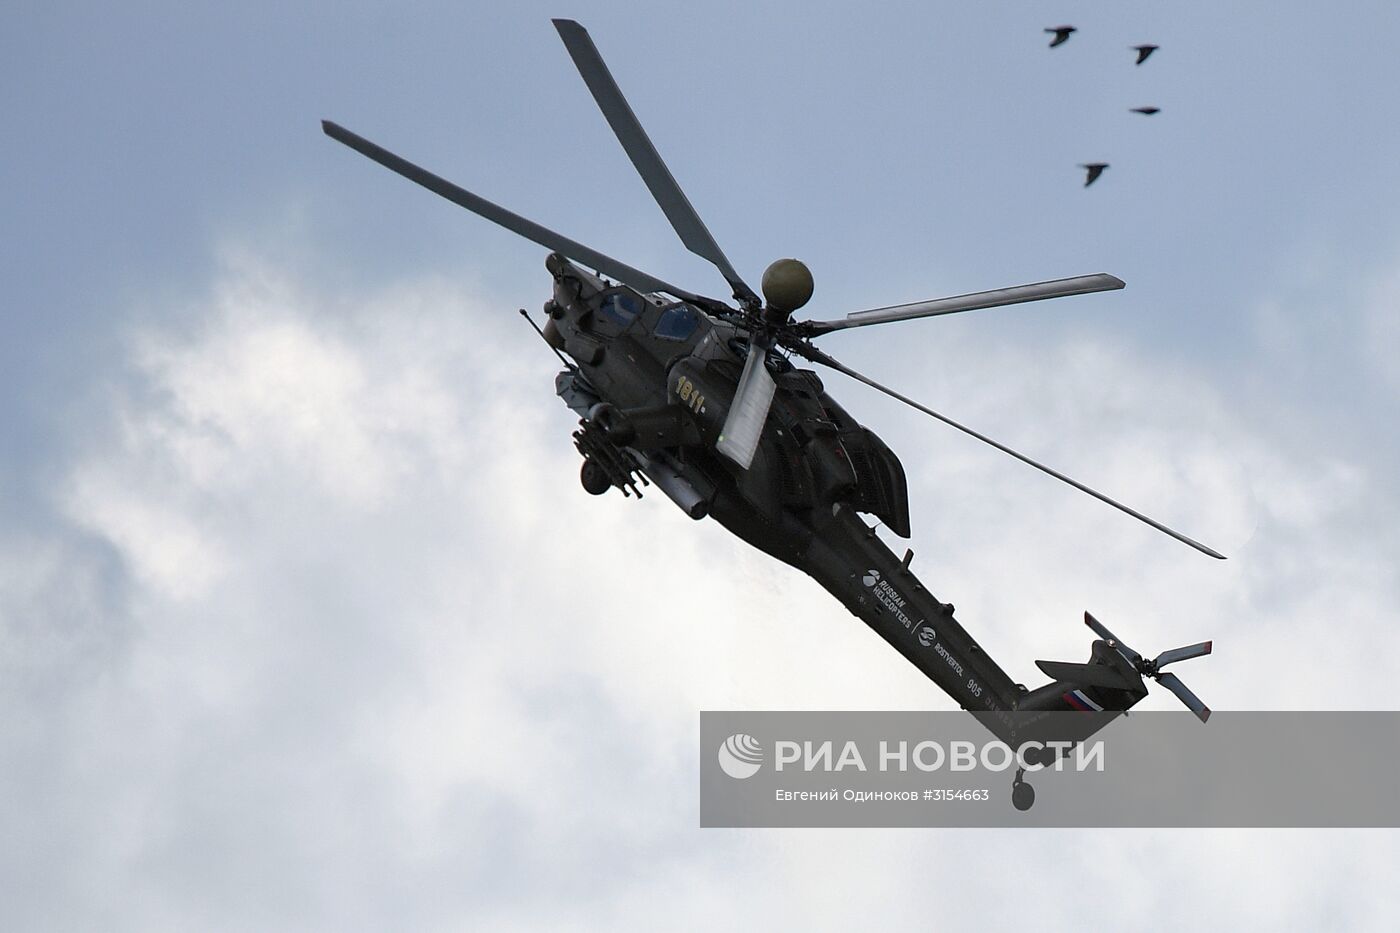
[
  {"x": 1061, "y": 35},
  {"x": 1147, "y": 111},
  {"x": 1144, "y": 51},
  {"x": 1095, "y": 169}
]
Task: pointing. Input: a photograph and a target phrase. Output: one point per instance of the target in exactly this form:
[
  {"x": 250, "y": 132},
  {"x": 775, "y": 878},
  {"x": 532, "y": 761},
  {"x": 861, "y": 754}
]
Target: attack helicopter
[{"x": 700, "y": 398}]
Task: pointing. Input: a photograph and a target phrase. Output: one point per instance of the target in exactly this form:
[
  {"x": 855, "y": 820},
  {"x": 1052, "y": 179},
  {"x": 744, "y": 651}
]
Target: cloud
[
  {"x": 358, "y": 652},
  {"x": 1381, "y": 330}
]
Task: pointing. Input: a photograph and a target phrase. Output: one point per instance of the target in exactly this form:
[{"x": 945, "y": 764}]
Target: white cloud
[
  {"x": 387, "y": 665},
  {"x": 1381, "y": 328}
]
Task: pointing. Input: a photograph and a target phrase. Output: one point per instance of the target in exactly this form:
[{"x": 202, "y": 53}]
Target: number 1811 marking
[{"x": 690, "y": 396}]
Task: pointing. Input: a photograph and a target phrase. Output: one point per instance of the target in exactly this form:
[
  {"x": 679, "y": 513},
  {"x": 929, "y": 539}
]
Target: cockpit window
[
  {"x": 677, "y": 323},
  {"x": 620, "y": 307}
]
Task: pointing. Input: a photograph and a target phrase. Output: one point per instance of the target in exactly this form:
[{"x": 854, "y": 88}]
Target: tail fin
[{"x": 1107, "y": 683}]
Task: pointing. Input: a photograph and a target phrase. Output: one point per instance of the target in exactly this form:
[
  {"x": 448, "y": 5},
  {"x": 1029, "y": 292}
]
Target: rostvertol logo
[{"x": 740, "y": 756}]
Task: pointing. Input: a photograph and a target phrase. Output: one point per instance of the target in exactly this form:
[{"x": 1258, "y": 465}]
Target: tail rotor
[{"x": 1153, "y": 668}]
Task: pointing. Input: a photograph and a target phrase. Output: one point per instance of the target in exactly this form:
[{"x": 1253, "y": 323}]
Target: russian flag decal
[{"x": 1079, "y": 700}]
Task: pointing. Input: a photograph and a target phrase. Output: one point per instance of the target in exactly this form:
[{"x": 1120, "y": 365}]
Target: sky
[{"x": 305, "y": 622}]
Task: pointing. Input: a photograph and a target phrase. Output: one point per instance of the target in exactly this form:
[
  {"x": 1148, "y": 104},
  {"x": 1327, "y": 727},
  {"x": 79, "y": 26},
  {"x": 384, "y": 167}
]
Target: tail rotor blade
[
  {"x": 1182, "y": 654},
  {"x": 744, "y": 425},
  {"x": 642, "y": 152},
  {"x": 1193, "y": 702},
  {"x": 511, "y": 221},
  {"x": 1102, "y": 631}
]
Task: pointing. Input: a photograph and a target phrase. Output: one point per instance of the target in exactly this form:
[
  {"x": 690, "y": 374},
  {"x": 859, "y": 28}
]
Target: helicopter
[{"x": 699, "y": 397}]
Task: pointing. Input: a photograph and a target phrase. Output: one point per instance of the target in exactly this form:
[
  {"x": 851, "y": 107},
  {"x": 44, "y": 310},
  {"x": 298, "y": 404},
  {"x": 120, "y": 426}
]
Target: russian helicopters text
[{"x": 699, "y": 398}]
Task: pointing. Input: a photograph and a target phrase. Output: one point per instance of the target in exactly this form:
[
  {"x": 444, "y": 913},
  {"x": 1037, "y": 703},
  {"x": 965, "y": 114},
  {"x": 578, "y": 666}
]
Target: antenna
[{"x": 562, "y": 358}]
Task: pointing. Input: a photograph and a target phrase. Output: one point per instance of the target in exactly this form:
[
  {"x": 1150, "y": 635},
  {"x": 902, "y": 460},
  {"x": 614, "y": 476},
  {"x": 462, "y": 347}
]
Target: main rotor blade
[
  {"x": 1037, "y": 291},
  {"x": 1183, "y": 654},
  {"x": 812, "y": 353},
  {"x": 628, "y": 129},
  {"x": 743, "y": 426},
  {"x": 1193, "y": 702},
  {"x": 511, "y": 221},
  {"x": 1102, "y": 631}
]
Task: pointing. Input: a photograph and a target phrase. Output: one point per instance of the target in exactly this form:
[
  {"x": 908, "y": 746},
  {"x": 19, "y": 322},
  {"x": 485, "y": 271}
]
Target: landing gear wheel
[
  {"x": 594, "y": 478},
  {"x": 1022, "y": 794}
]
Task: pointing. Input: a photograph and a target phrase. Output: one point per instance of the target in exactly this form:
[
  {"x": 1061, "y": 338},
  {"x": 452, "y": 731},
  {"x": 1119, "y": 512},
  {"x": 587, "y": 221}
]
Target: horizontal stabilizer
[{"x": 1089, "y": 675}]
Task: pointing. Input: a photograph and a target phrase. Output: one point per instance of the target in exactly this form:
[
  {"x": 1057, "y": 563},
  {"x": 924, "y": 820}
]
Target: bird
[
  {"x": 1144, "y": 51},
  {"x": 1061, "y": 34},
  {"x": 1095, "y": 169},
  {"x": 1146, "y": 111}
]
